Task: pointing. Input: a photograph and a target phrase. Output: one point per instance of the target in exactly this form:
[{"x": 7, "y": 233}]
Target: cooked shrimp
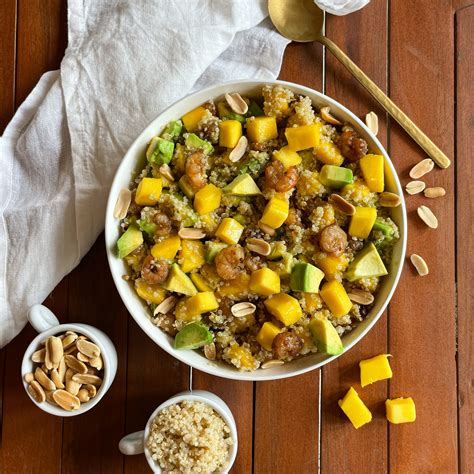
[
  {"x": 279, "y": 179},
  {"x": 196, "y": 169},
  {"x": 163, "y": 224},
  {"x": 154, "y": 271},
  {"x": 229, "y": 262}
]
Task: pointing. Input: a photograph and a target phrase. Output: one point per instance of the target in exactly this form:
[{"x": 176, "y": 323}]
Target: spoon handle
[{"x": 431, "y": 149}]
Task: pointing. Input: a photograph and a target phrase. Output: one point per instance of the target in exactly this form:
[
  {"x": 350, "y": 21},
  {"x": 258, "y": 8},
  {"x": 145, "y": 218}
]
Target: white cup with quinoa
[{"x": 192, "y": 432}]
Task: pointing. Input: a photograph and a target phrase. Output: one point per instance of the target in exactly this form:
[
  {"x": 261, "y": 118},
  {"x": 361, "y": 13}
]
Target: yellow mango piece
[
  {"x": 181, "y": 312},
  {"x": 312, "y": 302},
  {"x": 179, "y": 158},
  {"x": 275, "y": 212},
  {"x": 362, "y": 222},
  {"x": 264, "y": 282},
  {"x": 304, "y": 137},
  {"x": 355, "y": 409},
  {"x": 229, "y": 230},
  {"x": 237, "y": 287},
  {"x": 148, "y": 191},
  {"x": 400, "y": 410},
  {"x": 151, "y": 293},
  {"x": 335, "y": 297},
  {"x": 261, "y": 129},
  {"x": 285, "y": 308},
  {"x": 329, "y": 154},
  {"x": 167, "y": 248},
  {"x": 229, "y": 133},
  {"x": 201, "y": 303},
  {"x": 192, "y": 255},
  {"x": 331, "y": 265},
  {"x": 375, "y": 369},
  {"x": 267, "y": 333},
  {"x": 287, "y": 156},
  {"x": 200, "y": 282},
  {"x": 207, "y": 199},
  {"x": 372, "y": 170},
  {"x": 241, "y": 357},
  {"x": 191, "y": 119}
]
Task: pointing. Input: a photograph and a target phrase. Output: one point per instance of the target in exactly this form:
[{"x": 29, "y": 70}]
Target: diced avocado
[
  {"x": 212, "y": 249},
  {"x": 192, "y": 336},
  {"x": 325, "y": 336},
  {"x": 243, "y": 185},
  {"x": 190, "y": 219},
  {"x": 335, "y": 176},
  {"x": 384, "y": 228},
  {"x": 148, "y": 227},
  {"x": 241, "y": 219},
  {"x": 179, "y": 282},
  {"x": 253, "y": 167},
  {"x": 186, "y": 187},
  {"x": 306, "y": 278},
  {"x": 226, "y": 113},
  {"x": 254, "y": 110},
  {"x": 159, "y": 151},
  {"x": 284, "y": 266},
  {"x": 172, "y": 130},
  {"x": 191, "y": 140},
  {"x": 130, "y": 240},
  {"x": 367, "y": 263},
  {"x": 278, "y": 249}
]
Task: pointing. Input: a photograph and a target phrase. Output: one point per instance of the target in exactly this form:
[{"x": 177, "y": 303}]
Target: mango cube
[
  {"x": 151, "y": 293},
  {"x": 200, "y": 282},
  {"x": 201, "y": 303},
  {"x": 229, "y": 230},
  {"x": 167, "y": 248},
  {"x": 287, "y": 156},
  {"x": 374, "y": 369},
  {"x": 148, "y": 191},
  {"x": 241, "y": 357},
  {"x": 400, "y": 410},
  {"x": 285, "y": 308},
  {"x": 237, "y": 287},
  {"x": 275, "y": 212},
  {"x": 261, "y": 129},
  {"x": 362, "y": 222},
  {"x": 230, "y": 132},
  {"x": 304, "y": 137},
  {"x": 192, "y": 255},
  {"x": 331, "y": 265},
  {"x": 372, "y": 170},
  {"x": 182, "y": 313},
  {"x": 355, "y": 409},
  {"x": 329, "y": 154},
  {"x": 267, "y": 333},
  {"x": 264, "y": 282},
  {"x": 207, "y": 199},
  {"x": 192, "y": 119},
  {"x": 335, "y": 297}
]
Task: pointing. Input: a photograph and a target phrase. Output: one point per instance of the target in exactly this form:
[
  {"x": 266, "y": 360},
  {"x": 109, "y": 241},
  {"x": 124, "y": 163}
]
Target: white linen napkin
[
  {"x": 125, "y": 62},
  {"x": 341, "y": 7}
]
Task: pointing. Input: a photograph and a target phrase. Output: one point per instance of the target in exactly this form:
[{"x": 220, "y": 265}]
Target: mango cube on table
[
  {"x": 375, "y": 369},
  {"x": 355, "y": 409},
  {"x": 201, "y": 303},
  {"x": 192, "y": 255},
  {"x": 229, "y": 230},
  {"x": 285, "y": 308},
  {"x": 151, "y": 293},
  {"x": 192, "y": 119},
  {"x": 267, "y": 333},
  {"x": 265, "y": 282},
  {"x": 304, "y": 137},
  {"x": 207, "y": 199},
  {"x": 335, "y": 297},
  {"x": 148, "y": 191},
  {"x": 329, "y": 154},
  {"x": 372, "y": 170},
  {"x": 362, "y": 222},
  {"x": 167, "y": 248},
  {"x": 400, "y": 410},
  {"x": 287, "y": 157},
  {"x": 230, "y": 132},
  {"x": 275, "y": 213},
  {"x": 261, "y": 129}
]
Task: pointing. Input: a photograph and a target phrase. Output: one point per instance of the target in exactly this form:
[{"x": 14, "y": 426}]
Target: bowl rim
[{"x": 142, "y": 319}]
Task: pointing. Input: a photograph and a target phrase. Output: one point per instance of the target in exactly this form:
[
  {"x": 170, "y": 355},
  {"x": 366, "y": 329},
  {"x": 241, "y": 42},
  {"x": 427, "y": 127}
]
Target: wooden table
[{"x": 421, "y": 53}]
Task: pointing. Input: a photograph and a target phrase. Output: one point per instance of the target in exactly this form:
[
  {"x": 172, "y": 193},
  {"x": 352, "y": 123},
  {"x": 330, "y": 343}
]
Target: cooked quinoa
[
  {"x": 189, "y": 437},
  {"x": 281, "y": 193}
]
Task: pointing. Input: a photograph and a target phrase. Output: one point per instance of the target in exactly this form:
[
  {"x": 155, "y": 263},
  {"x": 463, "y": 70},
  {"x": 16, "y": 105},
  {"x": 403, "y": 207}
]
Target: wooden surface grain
[{"x": 421, "y": 53}]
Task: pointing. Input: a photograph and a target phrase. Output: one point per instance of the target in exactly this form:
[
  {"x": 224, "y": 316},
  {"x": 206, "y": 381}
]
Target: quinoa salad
[{"x": 258, "y": 230}]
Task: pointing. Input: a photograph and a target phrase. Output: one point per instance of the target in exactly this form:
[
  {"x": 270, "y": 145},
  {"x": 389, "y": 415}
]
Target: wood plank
[
  {"x": 422, "y": 321},
  {"x": 464, "y": 218},
  {"x": 286, "y": 411},
  {"x": 351, "y": 34}
]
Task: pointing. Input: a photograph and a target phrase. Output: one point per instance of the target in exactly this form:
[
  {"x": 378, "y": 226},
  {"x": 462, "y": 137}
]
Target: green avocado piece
[
  {"x": 284, "y": 266},
  {"x": 159, "y": 151},
  {"x": 191, "y": 140},
  {"x": 243, "y": 185},
  {"x": 335, "y": 176},
  {"x": 192, "y": 336},
  {"x": 306, "y": 278},
  {"x": 225, "y": 112},
  {"x": 212, "y": 249},
  {"x": 148, "y": 227},
  {"x": 325, "y": 336},
  {"x": 254, "y": 110},
  {"x": 130, "y": 240},
  {"x": 179, "y": 282},
  {"x": 186, "y": 187},
  {"x": 278, "y": 249},
  {"x": 172, "y": 130},
  {"x": 367, "y": 263},
  {"x": 384, "y": 228}
]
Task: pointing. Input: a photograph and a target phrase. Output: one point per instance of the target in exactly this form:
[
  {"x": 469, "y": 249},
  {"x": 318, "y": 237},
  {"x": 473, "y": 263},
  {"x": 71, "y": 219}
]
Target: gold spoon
[{"x": 303, "y": 21}]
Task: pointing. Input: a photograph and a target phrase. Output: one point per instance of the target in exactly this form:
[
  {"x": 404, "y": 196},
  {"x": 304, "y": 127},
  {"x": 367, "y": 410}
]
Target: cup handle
[
  {"x": 42, "y": 318},
  {"x": 132, "y": 443}
]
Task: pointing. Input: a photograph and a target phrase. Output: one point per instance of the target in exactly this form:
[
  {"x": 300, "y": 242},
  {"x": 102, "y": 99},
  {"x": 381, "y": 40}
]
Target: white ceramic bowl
[
  {"x": 134, "y": 161},
  {"x": 135, "y": 443}
]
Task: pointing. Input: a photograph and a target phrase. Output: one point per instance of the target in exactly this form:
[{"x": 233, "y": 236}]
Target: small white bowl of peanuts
[{"x": 67, "y": 368}]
